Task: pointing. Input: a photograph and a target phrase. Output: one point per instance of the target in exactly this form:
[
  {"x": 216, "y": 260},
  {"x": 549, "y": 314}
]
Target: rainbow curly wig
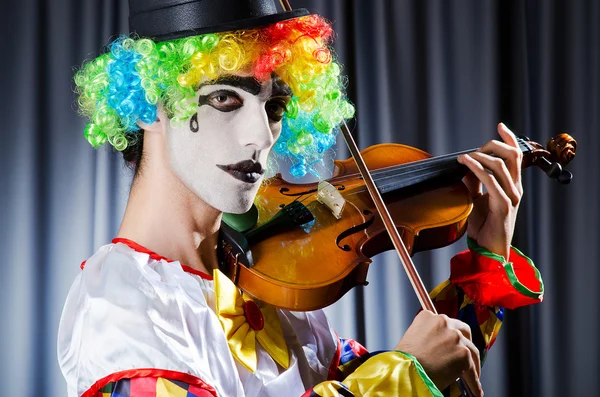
[{"x": 125, "y": 85}]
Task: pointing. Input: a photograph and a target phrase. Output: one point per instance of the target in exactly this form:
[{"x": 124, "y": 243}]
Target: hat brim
[{"x": 169, "y": 28}]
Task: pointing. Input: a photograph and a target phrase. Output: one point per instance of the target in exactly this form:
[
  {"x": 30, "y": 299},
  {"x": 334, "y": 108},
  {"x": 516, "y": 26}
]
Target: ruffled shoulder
[{"x": 128, "y": 311}]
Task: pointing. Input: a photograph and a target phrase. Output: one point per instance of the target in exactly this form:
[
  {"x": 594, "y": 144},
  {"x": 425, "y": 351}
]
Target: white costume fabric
[{"x": 128, "y": 311}]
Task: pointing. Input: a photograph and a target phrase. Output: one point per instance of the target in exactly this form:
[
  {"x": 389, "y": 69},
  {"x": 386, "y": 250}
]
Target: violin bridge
[{"x": 331, "y": 197}]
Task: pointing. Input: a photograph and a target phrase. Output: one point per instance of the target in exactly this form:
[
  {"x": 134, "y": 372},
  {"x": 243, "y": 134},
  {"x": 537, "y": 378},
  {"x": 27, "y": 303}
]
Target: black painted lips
[{"x": 246, "y": 171}]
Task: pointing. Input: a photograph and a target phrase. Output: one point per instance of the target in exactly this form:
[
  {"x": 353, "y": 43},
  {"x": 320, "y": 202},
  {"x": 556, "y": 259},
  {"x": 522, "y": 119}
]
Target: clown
[{"x": 198, "y": 101}]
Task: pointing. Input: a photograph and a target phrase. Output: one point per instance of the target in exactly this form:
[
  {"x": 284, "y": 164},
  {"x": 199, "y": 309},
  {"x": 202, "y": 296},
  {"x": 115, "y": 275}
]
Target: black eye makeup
[
  {"x": 275, "y": 108},
  {"x": 222, "y": 100}
]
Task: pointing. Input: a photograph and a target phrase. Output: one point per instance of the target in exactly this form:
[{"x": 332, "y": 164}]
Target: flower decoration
[{"x": 245, "y": 323}]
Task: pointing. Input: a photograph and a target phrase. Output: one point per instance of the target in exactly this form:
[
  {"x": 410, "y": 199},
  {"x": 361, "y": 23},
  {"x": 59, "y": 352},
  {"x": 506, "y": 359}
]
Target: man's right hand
[{"x": 443, "y": 347}]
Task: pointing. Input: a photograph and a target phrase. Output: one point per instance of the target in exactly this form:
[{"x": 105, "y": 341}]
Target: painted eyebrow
[
  {"x": 280, "y": 88},
  {"x": 248, "y": 84}
]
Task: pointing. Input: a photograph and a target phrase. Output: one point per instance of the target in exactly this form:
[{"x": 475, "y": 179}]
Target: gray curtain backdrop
[{"x": 436, "y": 74}]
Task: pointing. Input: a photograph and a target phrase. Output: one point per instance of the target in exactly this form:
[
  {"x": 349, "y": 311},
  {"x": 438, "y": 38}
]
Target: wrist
[{"x": 500, "y": 252}]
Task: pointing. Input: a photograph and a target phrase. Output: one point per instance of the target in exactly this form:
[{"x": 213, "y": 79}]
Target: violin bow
[{"x": 405, "y": 259}]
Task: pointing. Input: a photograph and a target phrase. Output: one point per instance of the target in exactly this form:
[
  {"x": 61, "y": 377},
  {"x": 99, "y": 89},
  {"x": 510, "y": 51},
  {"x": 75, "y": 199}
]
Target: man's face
[{"x": 221, "y": 152}]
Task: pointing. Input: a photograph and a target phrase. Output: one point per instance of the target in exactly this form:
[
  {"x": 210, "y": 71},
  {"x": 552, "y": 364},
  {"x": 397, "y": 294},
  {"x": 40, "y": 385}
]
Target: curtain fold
[{"x": 438, "y": 75}]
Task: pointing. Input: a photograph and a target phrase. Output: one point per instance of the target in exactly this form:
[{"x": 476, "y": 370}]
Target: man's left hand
[{"x": 492, "y": 221}]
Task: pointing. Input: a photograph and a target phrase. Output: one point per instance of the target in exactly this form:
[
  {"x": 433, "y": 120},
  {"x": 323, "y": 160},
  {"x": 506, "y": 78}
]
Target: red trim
[
  {"x": 307, "y": 393},
  {"x": 335, "y": 362},
  {"x": 525, "y": 272},
  {"x": 136, "y": 247},
  {"x": 149, "y": 373},
  {"x": 153, "y": 255},
  {"x": 191, "y": 270}
]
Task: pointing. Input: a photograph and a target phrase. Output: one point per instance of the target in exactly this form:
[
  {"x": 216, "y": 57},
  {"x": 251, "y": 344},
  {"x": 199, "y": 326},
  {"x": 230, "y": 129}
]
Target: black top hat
[{"x": 163, "y": 20}]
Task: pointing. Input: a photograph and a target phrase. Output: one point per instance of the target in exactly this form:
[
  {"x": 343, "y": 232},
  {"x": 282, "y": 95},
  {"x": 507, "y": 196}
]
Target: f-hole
[{"x": 354, "y": 229}]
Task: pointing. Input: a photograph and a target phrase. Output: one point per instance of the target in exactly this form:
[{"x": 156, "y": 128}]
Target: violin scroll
[
  {"x": 559, "y": 151},
  {"x": 562, "y": 148}
]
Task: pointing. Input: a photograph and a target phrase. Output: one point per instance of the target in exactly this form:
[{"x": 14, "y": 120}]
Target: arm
[
  {"x": 356, "y": 372},
  {"x": 481, "y": 285}
]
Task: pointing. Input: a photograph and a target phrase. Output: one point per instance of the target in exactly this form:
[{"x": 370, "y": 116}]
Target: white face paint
[{"x": 220, "y": 154}]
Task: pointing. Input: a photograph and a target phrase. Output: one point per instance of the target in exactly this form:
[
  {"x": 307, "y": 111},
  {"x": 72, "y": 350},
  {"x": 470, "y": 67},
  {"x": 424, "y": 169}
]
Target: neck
[
  {"x": 164, "y": 216},
  {"x": 437, "y": 171}
]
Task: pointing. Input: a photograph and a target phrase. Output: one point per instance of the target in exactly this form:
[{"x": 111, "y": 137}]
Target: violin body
[{"x": 310, "y": 267}]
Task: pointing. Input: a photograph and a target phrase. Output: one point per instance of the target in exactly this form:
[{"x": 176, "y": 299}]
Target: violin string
[
  {"x": 442, "y": 160},
  {"x": 408, "y": 174},
  {"x": 304, "y": 199},
  {"x": 403, "y": 175},
  {"x": 445, "y": 164},
  {"x": 421, "y": 164},
  {"x": 438, "y": 164}
]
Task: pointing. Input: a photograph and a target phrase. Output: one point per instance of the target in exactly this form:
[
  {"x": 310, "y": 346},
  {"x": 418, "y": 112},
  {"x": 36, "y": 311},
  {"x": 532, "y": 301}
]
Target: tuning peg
[
  {"x": 565, "y": 177},
  {"x": 554, "y": 170}
]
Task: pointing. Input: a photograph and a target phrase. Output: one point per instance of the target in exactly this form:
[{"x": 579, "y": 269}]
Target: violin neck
[{"x": 436, "y": 171}]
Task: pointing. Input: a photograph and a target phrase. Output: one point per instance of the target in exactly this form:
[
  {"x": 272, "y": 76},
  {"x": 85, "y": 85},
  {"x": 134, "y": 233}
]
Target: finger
[
  {"x": 461, "y": 326},
  {"x": 490, "y": 183},
  {"x": 508, "y": 136},
  {"x": 472, "y": 380},
  {"x": 501, "y": 173},
  {"x": 474, "y": 355},
  {"x": 423, "y": 315},
  {"x": 511, "y": 139},
  {"x": 473, "y": 185},
  {"x": 467, "y": 340},
  {"x": 512, "y": 157},
  {"x": 474, "y": 385},
  {"x": 473, "y": 372},
  {"x": 470, "y": 355}
]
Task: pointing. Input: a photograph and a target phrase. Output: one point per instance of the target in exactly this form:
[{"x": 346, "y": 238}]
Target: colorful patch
[
  {"x": 349, "y": 356},
  {"x": 152, "y": 387},
  {"x": 329, "y": 389},
  {"x": 484, "y": 321}
]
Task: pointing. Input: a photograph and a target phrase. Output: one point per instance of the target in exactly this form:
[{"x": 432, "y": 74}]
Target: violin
[{"x": 313, "y": 242}]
